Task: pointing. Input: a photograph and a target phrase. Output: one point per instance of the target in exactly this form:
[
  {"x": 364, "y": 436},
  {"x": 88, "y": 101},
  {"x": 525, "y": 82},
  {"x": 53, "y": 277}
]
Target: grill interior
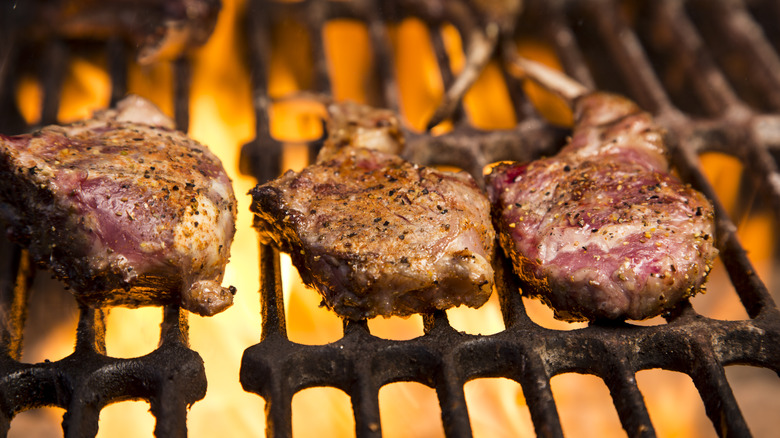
[{"x": 710, "y": 72}]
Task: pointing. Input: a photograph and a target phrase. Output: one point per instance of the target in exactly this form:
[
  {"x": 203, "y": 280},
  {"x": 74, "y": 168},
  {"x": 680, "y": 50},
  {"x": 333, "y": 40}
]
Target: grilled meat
[
  {"x": 123, "y": 208},
  {"x": 160, "y": 29},
  {"x": 603, "y": 230},
  {"x": 374, "y": 234}
]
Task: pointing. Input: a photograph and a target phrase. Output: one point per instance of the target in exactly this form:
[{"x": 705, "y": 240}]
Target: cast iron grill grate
[
  {"x": 172, "y": 377},
  {"x": 613, "y": 50},
  {"x": 617, "y": 46}
]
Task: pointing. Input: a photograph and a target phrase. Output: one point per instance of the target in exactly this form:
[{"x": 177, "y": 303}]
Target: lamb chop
[
  {"x": 160, "y": 29},
  {"x": 373, "y": 233},
  {"x": 603, "y": 230},
  {"x": 123, "y": 208}
]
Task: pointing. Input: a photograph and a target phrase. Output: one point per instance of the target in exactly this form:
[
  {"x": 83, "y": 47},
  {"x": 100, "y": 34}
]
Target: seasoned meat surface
[
  {"x": 160, "y": 29},
  {"x": 603, "y": 230},
  {"x": 377, "y": 235},
  {"x": 122, "y": 207}
]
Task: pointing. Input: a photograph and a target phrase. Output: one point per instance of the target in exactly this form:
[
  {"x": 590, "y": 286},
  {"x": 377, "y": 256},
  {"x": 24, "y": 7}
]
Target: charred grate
[
  {"x": 618, "y": 46},
  {"x": 172, "y": 377}
]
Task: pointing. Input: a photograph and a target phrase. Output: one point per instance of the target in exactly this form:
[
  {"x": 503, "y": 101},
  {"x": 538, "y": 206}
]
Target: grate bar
[
  {"x": 565, "y": 43},
  {"x": 315, "y": 19},
  {"x": 742, "y": 32},
  {"x": 384, "y": 64},
  {"x": 182, "y": 383},
  {"x": 262, "y": 156},
  {"x": 480, "y": 43},
  {"x": 9, "y": 48},
  {"x": 453, "y": 107},
  {"x": 15, "y": 280},
  {"x": 182, "y": 71},
  {"x": 361, "y": 387},
  {"x": 52, "y": 73},
  {"x": 538, "y": 395},
  {"x": 447, "y": 375},
  {"x": 117, "y": 69},
  {"x": 471, "y": 149},
  {"x": 507, "y": 285},
  {"x": 272, "y": 297},
  {"x": 762, "y": 164},
  {"x": 452, "y": 401},
  {"x": 365, "y": 402},
  {"x": 523, "y": 107},
  {"x": 83, "y": 408},
  {"x": 711, "y": 86},
  {"x": 629, "y": 56},
  {"x": 91, "y": 332},
  {"x": 628, "y": 399},
  {"x": 258, "y": 375},
  {"x": 260, "y": 58},
  {"x": 719, "y": 402}
]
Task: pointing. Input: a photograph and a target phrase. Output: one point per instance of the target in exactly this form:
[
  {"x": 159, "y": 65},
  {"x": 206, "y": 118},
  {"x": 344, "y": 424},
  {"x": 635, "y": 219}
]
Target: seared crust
[
  {"x": 603, "y": 230},
  {"x": 125, "y": 212},
  {"x": 377, "y": 235}
]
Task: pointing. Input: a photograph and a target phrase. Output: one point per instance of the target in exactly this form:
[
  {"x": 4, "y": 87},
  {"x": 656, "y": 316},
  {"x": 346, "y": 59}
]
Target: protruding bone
[
  {"x": 478, "y": 54},
  {"x": 551, "y": 79}
]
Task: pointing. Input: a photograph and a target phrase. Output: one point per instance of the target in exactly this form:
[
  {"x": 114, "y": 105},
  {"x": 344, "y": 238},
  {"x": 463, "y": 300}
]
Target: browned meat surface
[
  {"x": 603, "y": 230},
  {"x": 123, "y": 208},
  {"x": 377, "y": 235},
  {"x": 158, "y": 28}
]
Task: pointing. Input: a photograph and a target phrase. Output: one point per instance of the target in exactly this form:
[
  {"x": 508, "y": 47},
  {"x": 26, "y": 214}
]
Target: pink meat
[
  {"x": 603, "y": 230},
  {"x": 122, "y": 207}
]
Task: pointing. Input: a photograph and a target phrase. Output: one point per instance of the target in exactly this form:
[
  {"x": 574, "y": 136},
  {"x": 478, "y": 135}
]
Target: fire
[
  {"x": 221, "y": 116},
  {"x": 419, "y": 82},
  {"x": 349, "y": 53}
]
